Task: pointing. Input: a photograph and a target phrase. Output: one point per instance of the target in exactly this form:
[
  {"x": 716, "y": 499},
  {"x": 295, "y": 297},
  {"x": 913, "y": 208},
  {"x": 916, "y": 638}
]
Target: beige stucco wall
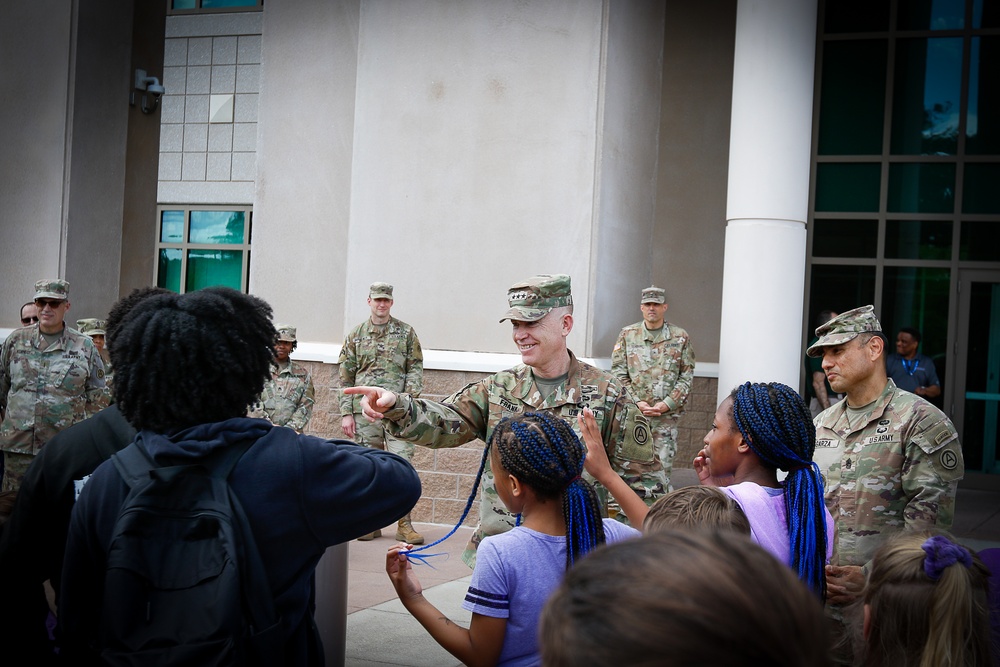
[{"x": 33, "y": 135}]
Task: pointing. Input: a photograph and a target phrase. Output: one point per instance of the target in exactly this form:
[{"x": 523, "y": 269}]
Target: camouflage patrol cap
[
  {"x": 286, "y": 332},
  {"x": 52, "y": 288},
  {"x": 532, "y": 299},
  {"x": 653, "y": 294},
  {"x": 845, "y": 327},
  {"x": 91, "y": 326},
  {"x": 380, "y": 291}
]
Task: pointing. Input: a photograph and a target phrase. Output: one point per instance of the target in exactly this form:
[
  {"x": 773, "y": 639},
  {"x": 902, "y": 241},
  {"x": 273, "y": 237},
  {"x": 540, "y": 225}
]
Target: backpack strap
[{"x": 133, "y": 463}]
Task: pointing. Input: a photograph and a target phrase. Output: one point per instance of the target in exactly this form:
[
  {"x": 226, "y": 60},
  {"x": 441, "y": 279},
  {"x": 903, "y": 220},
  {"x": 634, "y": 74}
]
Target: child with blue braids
[
  {"x": 760, "y": 429},
  {"x": 537, "y": 463}
]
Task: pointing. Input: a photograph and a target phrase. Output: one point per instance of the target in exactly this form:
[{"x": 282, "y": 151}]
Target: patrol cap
[
  {"x": 91, "y": 326},
  {"x": 845, "y": 327},
  {"x": 653, "y": 294},
  {"x": 380, "y": 291},
  {"x": 52, "y": 288},
  {"x": 531, "y": 300},
  {"x": 286, "y": 332}
]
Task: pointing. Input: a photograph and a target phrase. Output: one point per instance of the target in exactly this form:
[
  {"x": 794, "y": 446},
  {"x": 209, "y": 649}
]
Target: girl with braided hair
[
  {"x": 926, "y": 603},
  {"x": 760, "y": 429},
  {"x": 536, "y": 461}
]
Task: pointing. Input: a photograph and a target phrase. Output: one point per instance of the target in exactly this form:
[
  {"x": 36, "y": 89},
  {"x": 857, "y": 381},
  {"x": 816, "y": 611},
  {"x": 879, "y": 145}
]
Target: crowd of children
[{"x": 728, "y": 572}]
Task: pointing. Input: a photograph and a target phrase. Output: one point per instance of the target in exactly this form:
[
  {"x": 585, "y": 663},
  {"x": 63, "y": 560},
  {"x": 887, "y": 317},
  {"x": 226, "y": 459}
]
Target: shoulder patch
[
  {"x": 640, "y": 432},
  {"x": 948, "y": 459}
]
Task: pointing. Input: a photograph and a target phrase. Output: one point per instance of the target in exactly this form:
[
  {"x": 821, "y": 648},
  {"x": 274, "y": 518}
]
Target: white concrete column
[{"x": 764, "y": 266}]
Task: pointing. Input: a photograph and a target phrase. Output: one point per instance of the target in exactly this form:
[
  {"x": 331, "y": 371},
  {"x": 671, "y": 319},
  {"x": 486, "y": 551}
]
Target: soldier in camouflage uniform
[
  {"x": 95, "y": 328},
  {"x": 384, "y": 352},
  {"x": 892, "y": 461},
  {"x": 287, "y": 398},
  {"x": 655, "y": 360},
  {"x": 551, "y": 379},
  {"x": 51, "y": 376}
]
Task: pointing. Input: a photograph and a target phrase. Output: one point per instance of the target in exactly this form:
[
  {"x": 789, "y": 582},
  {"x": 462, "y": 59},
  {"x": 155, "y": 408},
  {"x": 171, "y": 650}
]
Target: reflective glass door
[{"x": 975, "y": 407}]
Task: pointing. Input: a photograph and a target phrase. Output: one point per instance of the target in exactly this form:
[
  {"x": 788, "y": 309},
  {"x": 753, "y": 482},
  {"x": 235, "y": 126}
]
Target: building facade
[{"x": 761, "y": 159}]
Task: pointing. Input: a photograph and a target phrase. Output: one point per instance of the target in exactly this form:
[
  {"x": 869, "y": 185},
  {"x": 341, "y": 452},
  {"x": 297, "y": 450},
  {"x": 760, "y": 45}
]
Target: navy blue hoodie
[{"x": 301, "y": 494}]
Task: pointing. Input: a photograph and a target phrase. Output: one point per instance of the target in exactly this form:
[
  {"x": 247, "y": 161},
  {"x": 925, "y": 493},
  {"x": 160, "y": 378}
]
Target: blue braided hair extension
[
  {"x": 777, "y": 425},
  {"x": 543, "y": 452},
  {"x": 422, "y": 558}
]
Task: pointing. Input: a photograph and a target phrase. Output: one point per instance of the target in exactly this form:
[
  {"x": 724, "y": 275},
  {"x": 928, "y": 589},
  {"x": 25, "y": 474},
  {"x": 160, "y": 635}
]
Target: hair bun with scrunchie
[{"x": 943, "y": 553}]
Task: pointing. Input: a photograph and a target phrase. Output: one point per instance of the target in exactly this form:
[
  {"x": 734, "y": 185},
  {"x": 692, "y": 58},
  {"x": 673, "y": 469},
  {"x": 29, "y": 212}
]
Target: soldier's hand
[
  {"x": 375, "y": 401},
  {"x": 348, "y": 426},
  {"x": 648, "y": 409},
  {"x": 844, "y": 583}
]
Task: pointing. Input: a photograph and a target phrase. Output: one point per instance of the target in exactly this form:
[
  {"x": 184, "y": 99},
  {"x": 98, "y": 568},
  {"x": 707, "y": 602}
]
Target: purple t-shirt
[
  {"x": 765, "y": 509},
  {"x": 515, "y": 573}
]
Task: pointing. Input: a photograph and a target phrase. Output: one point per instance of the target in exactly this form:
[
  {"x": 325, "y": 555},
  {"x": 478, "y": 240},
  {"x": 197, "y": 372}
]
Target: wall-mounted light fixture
[{"x": 148, "y": 85}]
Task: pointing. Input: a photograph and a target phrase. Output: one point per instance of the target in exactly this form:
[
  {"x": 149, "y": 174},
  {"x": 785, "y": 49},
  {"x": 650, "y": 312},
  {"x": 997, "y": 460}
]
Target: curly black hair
[{"x": 187, "y": 359}]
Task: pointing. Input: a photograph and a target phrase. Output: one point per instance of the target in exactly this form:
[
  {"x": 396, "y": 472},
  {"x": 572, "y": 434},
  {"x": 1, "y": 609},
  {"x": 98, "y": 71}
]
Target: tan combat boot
[
  {"x": 370, "y": 536},
  {"x": 405, "y": 532}
]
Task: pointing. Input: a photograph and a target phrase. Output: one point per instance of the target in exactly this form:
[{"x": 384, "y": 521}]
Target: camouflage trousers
[
  {"x": 15, "y": 464},
  {"x": 664, "y": 431},
  {"x": 373, "y": 435}
]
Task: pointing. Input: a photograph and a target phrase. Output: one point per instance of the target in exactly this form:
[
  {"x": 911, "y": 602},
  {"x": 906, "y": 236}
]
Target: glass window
[
  {"x": 856, "y": 16},
  {"x": 931, "y": 14},
  {"x": 982, "y": 188},
  {"x": 210, "y": 268},
  {"x": 916, "y": 239},
  {"x": 982, "y": 121},
  {"x": 848, "y": 187},
  {"x": 917, "y": 297},
  {"x": 840, "y": 288},
  {"x": 985, "y": 19},
  {"x": 845, "y": 238},
  {"x": 203, "y": 247},
  {"x": 921, "y": 188},
  {"x": 852, "y": 101},
  {"x": 209, "y": 5},
  {"x": 925, "y": 99},
  {"x": 217, "y": 227},
  {"x": 172, "y": 226},
  {"x": 168, "y": 271},
  {"x": 980, "y": 241}
]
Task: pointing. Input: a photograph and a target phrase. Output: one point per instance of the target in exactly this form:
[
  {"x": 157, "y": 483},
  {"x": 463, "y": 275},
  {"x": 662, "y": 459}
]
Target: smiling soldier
[{"x": 549, "y": 379}]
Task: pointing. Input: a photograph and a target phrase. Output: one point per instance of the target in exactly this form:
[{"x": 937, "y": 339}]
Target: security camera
[{"x": 150, "y": 85}]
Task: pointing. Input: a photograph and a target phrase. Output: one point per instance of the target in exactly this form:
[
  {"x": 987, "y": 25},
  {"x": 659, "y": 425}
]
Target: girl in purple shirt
[{"x": 537, "y": 461}]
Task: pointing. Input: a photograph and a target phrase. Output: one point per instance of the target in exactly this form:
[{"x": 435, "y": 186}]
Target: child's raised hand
[
  {"x": 400, "y": 572},
  {"x": 703, "y": 467},
  {"x": 596, "y": 462},
  {"x": 700, "y": 465}
]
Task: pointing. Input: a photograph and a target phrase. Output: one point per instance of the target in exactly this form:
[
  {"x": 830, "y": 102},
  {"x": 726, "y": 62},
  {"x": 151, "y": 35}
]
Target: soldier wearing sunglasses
[{"x": 51, "y": 376}]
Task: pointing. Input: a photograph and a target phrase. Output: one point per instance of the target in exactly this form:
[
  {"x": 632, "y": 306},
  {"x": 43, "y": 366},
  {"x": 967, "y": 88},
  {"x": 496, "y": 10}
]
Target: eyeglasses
[
  {"x": 51, "y": 303},
  {"x": 28, "y": 320}
]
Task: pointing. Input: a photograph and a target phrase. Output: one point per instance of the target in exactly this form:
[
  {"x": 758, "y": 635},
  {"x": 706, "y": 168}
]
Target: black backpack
[{"x": 184, "y": 583}]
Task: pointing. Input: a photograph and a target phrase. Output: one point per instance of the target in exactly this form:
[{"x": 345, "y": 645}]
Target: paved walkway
[{"x": 381, "y": 632}]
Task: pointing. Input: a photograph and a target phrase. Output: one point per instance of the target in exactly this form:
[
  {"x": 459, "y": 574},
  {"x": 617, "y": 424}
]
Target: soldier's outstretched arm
[{"x": 375, "y": 401}]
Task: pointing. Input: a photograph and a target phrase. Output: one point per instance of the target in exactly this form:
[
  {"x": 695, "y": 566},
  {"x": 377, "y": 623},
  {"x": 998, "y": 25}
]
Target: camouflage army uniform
[
  {"x": 380, "y": 355},
  {"x": 474, "y": 411},
  {"x": 657, "y": 366},
  {"x": 897, "y": 468},
  {"x": 287, "y": 398},
  {"x": 43, "y": 391}
]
